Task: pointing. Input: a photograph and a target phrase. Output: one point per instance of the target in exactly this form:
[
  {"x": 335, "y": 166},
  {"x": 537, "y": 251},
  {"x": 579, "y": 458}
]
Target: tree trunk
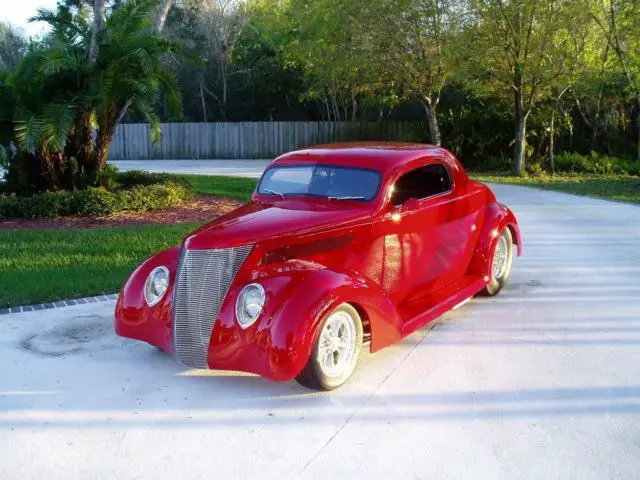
[
  {"x": 638, "y": 125},
  {"x": 161, "y": 17},
  {"x": 224, "y": 94},
  {"x": 326, "y": 106},
  {"x": 52, "y": 164},
  {"x": 434, "y": 128},
  {"x": 334, "y": 105},
  {"x": 552, "y": 134},
  {"x": 98, "y": 15},
  {"x": 103, "y": 145},
  {"x": 354, "y": 107},
  {"x": 202, "y": 99},
  {"x": 520, "y": 145},
  {"x": 104, "y": 136},
  {"x": 81, "y": 140},
  {"x": 596, "y": 120}
]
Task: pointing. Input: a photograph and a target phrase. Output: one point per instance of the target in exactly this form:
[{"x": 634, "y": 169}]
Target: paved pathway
[{"x": 540, "y": 382}]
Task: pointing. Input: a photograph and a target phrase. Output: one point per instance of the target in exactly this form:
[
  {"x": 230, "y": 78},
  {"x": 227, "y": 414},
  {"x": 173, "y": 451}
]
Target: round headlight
[
  {"x": 249, "y": 304},
  {"x": 156, "y": 284}
]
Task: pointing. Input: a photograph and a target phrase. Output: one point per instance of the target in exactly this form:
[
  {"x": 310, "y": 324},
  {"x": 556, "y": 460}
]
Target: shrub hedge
[
  {"x": 572, "y": 162},
  {"x": 566, "y": 162},
  {"x": 132, "y": 178},
  {"x": 95, "y": 201}
]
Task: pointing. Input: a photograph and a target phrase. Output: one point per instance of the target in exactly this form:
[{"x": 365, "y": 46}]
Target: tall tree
[
  {"x": 215, "y": 27},
  {"x": 326, "y": 40},
  {"x": 522, "y": 47},
  {"x": 13, "y": 45},
  {"x": 418, "y": 41},
  {"x": 98, "y": 18},
  {"x": 619, "y": 21}
]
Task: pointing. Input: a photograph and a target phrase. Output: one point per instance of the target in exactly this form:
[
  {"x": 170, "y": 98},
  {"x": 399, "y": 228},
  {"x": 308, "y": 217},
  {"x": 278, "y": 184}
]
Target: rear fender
[{"x": 496, "y": 219}]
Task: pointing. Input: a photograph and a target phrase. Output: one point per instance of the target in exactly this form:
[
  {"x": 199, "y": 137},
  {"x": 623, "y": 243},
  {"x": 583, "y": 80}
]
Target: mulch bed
[{"x": 204, "y": 207}]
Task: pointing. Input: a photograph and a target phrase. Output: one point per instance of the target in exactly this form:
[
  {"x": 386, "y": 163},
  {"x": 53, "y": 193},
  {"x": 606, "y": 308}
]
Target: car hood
[{"x": 257, "y": 221}]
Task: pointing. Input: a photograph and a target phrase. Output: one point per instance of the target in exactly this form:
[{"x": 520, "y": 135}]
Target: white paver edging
[{"x": 58, "y": 304}]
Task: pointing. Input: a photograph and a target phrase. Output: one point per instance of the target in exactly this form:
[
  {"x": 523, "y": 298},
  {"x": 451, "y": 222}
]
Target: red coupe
[{"x": 340, "y": 246}]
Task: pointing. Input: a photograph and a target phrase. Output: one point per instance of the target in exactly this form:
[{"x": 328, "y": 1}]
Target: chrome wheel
[
  {"x": 500, "y": 258},
  {"x": 337, "y": 344}
]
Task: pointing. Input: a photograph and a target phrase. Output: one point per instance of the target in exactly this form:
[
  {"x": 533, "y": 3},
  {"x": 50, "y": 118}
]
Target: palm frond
[
  {"x": 61, "y": 59},
  {"x": 146, "y": 109},
  {"x": 28, "y": 130},
  {"x": 57, "y": 119},
  {"x": 168, "y": 84},
  {"x": 64, "y": 25},
  {"x": 45, "y": 15}
]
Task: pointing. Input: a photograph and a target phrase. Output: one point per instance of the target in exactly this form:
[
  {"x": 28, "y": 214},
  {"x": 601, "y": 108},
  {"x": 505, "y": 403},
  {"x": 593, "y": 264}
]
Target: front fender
[
  {"x": 298, "y": 296},
  {"x": 133, "y": 317}
]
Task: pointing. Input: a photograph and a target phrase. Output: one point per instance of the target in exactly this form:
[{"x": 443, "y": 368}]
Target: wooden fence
[{"x": 246, "y": 139}]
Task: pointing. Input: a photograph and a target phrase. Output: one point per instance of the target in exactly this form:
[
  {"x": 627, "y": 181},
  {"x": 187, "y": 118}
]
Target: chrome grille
[{"x": 202, "y": 282}]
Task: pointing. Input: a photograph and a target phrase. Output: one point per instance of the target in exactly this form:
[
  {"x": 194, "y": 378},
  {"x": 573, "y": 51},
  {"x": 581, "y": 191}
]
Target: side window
[{"x": 422, "y": 182}]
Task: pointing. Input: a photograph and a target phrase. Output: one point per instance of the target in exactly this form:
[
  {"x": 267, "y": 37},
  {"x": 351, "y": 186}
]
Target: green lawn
[
  {"x": 44, "y": 265},
  {"x": 623, "y": 188},
  {"x": 237, "y": 188}
]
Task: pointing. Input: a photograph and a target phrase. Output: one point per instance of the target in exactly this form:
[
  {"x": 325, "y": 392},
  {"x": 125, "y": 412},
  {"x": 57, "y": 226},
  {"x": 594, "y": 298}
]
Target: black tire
[
  {"x": 496, "y": 284},
  {"x": 313, "y": 376}
]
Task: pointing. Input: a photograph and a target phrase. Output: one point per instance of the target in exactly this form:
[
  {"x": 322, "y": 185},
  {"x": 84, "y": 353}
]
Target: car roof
[{"x": 381, "y": 156}]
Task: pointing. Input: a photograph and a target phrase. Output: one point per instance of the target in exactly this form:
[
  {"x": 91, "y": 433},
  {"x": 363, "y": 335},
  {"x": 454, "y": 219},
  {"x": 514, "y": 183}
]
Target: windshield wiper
[
  {"x": 347, "y": 198},
  {"x": 273, "y": 192}
]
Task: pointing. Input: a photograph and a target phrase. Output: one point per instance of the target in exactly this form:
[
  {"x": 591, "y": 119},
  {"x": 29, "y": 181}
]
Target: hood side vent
[{"x": 307, "y": 249}]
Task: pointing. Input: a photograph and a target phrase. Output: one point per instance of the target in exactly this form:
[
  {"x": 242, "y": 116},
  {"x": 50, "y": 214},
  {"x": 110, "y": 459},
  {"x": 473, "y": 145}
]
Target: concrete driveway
[{"x": 540, "y": 382}]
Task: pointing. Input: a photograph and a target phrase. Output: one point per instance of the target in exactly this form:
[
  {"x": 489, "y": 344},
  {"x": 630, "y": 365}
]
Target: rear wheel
[
  {"x": 501, "y": 261},
  {"x": 337, "y": 349}
]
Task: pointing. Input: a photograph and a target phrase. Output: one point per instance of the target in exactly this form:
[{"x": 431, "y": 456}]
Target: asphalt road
[{"x": 540, "y": 382}]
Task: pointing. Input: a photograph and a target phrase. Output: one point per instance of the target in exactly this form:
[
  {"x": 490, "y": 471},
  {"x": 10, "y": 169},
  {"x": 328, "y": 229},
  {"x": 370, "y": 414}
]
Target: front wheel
[
  {"x": 337, "y": 349},
  {"x": 501, "y": 262}
]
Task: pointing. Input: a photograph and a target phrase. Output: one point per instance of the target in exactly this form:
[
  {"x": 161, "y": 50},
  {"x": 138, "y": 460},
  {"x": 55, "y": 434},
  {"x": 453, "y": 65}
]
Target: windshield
[{"x": 327, "y": 181}]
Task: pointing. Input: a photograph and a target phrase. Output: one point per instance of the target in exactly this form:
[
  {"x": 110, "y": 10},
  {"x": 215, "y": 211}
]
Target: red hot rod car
[{"x": 340, "y": 246}]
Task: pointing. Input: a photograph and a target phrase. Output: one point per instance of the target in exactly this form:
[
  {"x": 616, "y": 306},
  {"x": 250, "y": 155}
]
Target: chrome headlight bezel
[
  {"x": 156, "y": 285},
  {"x": 248, "y": 314}
]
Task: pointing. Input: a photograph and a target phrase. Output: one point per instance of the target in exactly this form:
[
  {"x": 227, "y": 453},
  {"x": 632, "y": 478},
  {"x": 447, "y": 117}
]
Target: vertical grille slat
[{"x": 202, "y": 282}]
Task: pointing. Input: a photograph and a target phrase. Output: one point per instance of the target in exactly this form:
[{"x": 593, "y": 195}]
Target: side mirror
[{"x": 410, "y": 204}]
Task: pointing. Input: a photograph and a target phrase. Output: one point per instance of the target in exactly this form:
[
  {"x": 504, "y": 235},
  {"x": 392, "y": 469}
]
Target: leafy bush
[
  {"x": 595, "y": 163},
  {"x": 493, "y": 164},
  {"x": 139, "y": 177},
  {"x": 94, "y": 201}
]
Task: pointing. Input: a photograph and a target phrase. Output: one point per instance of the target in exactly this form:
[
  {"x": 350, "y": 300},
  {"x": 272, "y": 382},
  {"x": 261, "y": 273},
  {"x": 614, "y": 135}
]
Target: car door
[{"x": 425, "y": 232}]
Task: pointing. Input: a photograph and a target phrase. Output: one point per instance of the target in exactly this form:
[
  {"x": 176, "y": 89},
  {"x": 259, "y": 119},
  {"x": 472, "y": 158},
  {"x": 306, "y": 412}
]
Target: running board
[
  {"x": 462, "y": 303},
  {"x": 433, "y": 306}
]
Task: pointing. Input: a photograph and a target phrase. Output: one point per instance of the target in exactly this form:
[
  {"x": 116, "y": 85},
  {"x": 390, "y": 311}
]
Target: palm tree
[
  {"x": 64, "y": 94},
  {"x": 131, "y": 69}
]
